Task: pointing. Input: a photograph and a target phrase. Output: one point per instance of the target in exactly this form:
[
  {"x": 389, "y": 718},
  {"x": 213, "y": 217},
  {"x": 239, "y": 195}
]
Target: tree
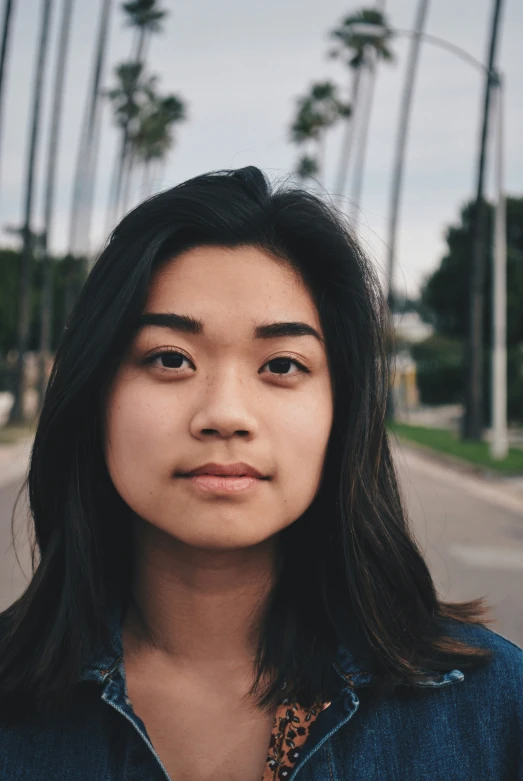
[
  {"x": 54, "y": 136},
  {"x": 353, "y": 45},
  {"x": 133, "y": 89},
  {"x": 6, "y": 29},
  {"x": 145, "y": 17},
  {"x": 154, "y": 135},
  {"x": 364, "y": 124},
  {"x": 307, "y": 167},
  {"x": 24, "y": 286},
  {"x": 401, "y": 145},
  {"x": 445, "y": 296},
  {"x": 317, "y": 112},
  {"x": 87, "y": 157},
  {"x": 63, "y": 268}
]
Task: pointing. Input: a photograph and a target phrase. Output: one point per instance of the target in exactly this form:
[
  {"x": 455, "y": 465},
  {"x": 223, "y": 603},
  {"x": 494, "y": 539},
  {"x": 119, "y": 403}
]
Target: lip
[
  {"x": 239, "y": 469},
  {"x": 225, "y": 486}
]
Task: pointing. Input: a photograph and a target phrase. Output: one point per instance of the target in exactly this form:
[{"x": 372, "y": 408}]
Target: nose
[{"x": 224, "y": 408}]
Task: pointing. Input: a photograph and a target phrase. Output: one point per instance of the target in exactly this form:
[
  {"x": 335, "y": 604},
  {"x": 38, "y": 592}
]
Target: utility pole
[
  {"x": 473, "y": 420},
  {"x": 499, "y": 440}
]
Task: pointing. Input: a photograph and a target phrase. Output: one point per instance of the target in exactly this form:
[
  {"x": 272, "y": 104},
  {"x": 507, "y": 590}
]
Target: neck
[{"x": 197, "y": 608}]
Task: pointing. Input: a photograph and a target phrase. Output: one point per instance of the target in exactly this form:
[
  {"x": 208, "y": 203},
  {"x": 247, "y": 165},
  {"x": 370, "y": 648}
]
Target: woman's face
[{"x": 182, "y": 399}]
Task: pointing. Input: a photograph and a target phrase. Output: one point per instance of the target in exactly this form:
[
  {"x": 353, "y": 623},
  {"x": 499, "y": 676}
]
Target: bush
[{"x": 439, "y": 369}]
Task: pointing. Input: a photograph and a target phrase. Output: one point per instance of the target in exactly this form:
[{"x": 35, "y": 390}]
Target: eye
[
  {"x": 282, "y": 364},
  {"x": 171, "y": 359}
]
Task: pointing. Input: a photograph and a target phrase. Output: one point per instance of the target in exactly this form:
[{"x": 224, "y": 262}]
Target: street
[{"x": 470, "y": 531}]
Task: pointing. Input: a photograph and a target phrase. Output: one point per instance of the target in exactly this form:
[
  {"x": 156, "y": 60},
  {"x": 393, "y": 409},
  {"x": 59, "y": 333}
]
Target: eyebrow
[{"x": 190, "y": 325}]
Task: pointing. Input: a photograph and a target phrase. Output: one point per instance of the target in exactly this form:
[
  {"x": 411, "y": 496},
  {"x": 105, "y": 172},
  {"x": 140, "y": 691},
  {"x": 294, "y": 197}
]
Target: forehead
[{"x": 239, "y": 282}]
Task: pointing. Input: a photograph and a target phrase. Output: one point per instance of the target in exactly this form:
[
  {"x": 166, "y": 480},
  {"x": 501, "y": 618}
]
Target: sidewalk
[
  {"x": 14, "y": 460},
  {"x": 504, "y": 491}
]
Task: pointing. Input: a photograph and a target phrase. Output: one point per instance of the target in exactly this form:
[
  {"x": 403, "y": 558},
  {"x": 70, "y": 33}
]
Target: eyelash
[{"x": 151, "y": 358}]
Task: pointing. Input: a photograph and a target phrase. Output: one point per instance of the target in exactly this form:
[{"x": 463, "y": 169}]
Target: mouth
[
  {"x": 224, "y": 479},
  {"x": 225, "y": 485},
  {"x": 239, "y": 469}
]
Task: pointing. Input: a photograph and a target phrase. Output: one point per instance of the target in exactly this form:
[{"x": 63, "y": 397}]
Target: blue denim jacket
[{"x": 460, "y": 727}]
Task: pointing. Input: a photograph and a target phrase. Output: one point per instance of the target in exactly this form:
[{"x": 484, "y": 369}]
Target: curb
[
  {"x": 488, "y": 483},
  {"x": 458, "y": 463}
]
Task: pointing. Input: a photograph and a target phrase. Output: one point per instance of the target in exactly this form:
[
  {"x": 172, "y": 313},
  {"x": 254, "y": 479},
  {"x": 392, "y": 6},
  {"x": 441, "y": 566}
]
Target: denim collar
[{"x": 350, "y": 665}]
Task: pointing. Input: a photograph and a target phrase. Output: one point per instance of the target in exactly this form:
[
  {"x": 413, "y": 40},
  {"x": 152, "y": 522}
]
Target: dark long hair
[{"x": 350, "y": 565}]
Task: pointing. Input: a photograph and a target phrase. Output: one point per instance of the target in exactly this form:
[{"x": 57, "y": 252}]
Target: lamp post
[{"x": 499, "y": 439}]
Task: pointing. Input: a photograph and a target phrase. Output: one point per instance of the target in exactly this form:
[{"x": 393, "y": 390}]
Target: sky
[{"x": 240, "y": 66}]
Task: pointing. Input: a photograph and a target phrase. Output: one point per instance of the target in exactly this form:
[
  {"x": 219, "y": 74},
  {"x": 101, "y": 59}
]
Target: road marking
[{"x": 488, "y": 557}]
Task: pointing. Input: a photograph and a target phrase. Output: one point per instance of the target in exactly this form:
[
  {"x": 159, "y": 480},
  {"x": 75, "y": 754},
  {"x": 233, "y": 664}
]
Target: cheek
[
  {"x": 302, "y": 446},
  {"x": 139, "y": 426}
]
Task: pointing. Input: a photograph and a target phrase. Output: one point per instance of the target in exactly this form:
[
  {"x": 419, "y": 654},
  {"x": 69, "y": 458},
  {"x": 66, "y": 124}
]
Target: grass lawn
[{"x": 448, "y": 442}]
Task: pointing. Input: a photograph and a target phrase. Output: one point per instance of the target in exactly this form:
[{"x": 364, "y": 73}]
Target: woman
[{"x": 227, "y": 589}]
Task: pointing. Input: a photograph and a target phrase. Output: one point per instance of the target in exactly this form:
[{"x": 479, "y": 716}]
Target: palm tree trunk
[
  {"x": 473, "y": 420},
  {"x": 401, "y": 141},
  {"x": 8, "y": 16},
  {"x": 46, "y": 309},
  {"x": 343, "y": 169},
  {"x": 116, "y": 195},
  {"x": 24, "y": 280},
  {"x": 321, "y": 156},
  {"x": 8, "y": 12},
  {"x": 127, "y": 182},
  {"x": 144, "y": 187},
  {"x": 85, "y": 173},
  {"x": 401, "y": 144},
  {"x": 361, "y": 150},
  {"x": 362, "y": 135},
  {"x": 110, "y": 216}
]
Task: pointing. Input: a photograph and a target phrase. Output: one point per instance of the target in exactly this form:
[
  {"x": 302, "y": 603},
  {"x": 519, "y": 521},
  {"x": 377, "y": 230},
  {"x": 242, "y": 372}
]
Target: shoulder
[
  {"x": 504, "y": 651},
  {"x": 502, "y": 677}
]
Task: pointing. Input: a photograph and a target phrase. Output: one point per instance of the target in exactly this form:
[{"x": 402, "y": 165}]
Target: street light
[{"x": 499, "y": 439}]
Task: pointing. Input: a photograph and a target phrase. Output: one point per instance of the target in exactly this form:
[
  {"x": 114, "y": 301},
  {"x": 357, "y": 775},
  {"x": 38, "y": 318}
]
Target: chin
[
  {"x": 220, "y": 543},
  {"x": 219, "y": 538}
]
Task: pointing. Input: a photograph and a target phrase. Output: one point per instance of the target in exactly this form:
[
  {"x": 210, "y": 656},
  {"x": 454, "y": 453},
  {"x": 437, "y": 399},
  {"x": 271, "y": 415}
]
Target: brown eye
[
  {"x": 171, "y": 360},
  {"x": 281, "y": 366},
  {"x": 168, "y": 359}
]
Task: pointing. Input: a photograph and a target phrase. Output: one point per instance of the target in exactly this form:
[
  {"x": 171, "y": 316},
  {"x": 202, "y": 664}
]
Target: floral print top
[{"x": 291, "y": 728}]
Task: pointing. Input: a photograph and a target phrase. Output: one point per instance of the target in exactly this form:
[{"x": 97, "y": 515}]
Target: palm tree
[
  {"x": 6, "y": 28},
  {"x": 399, "y": 157},
  {"x": 24, "y": 280},
  {"x": 307, "y": 167},
  {"x": 318, "y": 111},
  {"x": 145, "y": 17},
  {"x": 131, "y": 90},
  {"x": 401, "y": 142},
  {"x": 154, "y": 136},
  {"x": 354, "y": 45},
  {"x": 364, "y": 123},
  {"x": 86, "y": 163},
  {"x": 47, "y": 270}
]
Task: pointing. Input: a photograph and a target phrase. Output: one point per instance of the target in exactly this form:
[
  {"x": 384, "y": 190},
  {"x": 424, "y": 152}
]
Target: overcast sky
[{"x": 240, "y": 66}]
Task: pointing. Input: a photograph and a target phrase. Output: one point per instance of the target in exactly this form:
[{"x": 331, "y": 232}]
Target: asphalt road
[{"x": 470, "y": 532}]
